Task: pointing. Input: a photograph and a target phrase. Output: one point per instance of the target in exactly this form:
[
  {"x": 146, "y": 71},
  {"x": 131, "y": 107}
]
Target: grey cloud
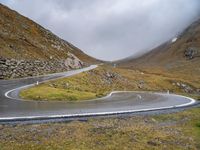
[{"x": 111, "y": 29}]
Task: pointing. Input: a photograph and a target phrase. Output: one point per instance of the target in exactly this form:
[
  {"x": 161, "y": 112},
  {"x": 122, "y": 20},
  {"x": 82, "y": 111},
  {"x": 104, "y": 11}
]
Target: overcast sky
[{"x": 111, "y": 29}]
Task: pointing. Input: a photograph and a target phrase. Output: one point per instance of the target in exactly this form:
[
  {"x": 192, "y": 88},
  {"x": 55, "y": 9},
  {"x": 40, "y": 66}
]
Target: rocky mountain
[
  {"x": 28, "y": 49},
  {"x": 180, "y": 56}
]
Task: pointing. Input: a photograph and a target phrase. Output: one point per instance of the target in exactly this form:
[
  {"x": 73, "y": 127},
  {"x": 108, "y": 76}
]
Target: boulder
[{"x": 73, "y": 62}]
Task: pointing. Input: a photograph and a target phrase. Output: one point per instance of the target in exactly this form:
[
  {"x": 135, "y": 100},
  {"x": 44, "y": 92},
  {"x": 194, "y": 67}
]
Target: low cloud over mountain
[{"x": 111, "y": 29}]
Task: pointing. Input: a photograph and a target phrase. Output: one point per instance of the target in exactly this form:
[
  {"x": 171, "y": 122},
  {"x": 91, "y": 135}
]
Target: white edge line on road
[
  {"x": 192, "y": 101},
  {"x": 7, "y": 93},
  {"x": 33, "y": 84}
]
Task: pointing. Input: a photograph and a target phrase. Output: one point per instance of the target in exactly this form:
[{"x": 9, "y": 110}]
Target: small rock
[{"x": 153, "y": 143}]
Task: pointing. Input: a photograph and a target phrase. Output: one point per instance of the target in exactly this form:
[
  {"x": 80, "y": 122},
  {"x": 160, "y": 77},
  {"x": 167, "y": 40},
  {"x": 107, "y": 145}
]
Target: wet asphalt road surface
[{"x": 14, "y": 109}]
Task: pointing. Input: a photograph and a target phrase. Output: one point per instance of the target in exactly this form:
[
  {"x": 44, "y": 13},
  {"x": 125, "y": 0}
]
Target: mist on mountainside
[{"x": 112, "y": 29}]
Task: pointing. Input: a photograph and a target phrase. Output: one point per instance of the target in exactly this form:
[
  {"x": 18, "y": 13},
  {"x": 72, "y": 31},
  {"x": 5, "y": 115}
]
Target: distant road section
[{"x": 12, "y": 108}]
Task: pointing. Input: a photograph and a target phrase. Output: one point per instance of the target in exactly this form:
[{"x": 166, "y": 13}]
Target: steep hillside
[
  {"x": 177, "y": 57},
  {"x": 25, "y": 44}
]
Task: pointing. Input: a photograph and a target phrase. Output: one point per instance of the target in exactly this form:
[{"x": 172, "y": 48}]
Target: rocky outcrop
[
  {"x": 141, "y": 84},
  {"x": 192, "y": 52},
  {"x": 12, "y": 68},
  {"x": 186, "y": 87}
]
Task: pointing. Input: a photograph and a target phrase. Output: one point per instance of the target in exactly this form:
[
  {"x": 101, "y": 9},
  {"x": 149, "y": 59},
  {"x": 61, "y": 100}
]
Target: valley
[{"x": 55, "y": 96}]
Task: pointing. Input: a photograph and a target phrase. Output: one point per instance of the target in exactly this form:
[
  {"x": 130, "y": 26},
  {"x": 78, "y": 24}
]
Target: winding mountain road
[{"x": 12, "y": 108}]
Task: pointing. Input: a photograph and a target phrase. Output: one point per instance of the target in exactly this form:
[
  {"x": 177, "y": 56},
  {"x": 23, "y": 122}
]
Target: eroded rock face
[
  {"x": 192, "y": 52},
  {"x": 12, "y": 68}
]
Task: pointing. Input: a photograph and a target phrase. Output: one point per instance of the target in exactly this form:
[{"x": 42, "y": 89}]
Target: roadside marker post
[{"x": 167, "y": 91}]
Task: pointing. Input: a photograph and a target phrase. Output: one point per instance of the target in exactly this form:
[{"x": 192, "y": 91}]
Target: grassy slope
[
  {"x": 170, "y": 131},
  {"x": 21, "y": 38},
  {"x": 103, "y": 80}
]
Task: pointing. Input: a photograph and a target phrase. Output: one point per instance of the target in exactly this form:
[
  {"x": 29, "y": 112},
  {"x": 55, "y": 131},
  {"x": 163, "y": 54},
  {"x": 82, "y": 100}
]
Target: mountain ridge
[
  {"x": 18, "y": 29},
  {"x": 28, "y": 49}
]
